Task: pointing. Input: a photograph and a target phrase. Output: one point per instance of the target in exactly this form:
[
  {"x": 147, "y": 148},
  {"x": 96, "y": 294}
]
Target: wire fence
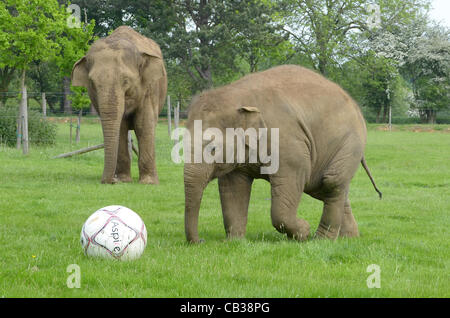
[
  {"x": 57, "y": 106},
  {"x": 42, "y": 120}
]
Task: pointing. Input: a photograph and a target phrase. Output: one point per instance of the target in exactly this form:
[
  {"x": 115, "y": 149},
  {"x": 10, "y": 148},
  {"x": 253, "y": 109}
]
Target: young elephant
[
  {"x": 320, "y": 144},
  {"x": 127, "y": 84}
]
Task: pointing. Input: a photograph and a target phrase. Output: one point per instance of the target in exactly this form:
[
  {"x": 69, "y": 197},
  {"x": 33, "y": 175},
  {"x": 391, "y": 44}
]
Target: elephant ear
[
  {"x": 251, "y": 117},
  {"x": 152, "y": 64},
  {"x": 79, "y": 76}
]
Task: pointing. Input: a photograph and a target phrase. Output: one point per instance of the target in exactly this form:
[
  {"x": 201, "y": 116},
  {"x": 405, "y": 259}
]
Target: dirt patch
[{"x": 416, "y": 128}]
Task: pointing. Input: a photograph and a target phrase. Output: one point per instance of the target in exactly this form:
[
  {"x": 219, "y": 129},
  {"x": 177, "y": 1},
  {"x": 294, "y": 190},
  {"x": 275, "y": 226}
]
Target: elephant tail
[{"x": 364, "y": 164}]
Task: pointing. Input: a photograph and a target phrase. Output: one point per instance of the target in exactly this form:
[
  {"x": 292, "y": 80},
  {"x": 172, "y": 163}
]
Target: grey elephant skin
[
  {"x": 322, "y": 137},
  {"x": 127, "y": 84}
]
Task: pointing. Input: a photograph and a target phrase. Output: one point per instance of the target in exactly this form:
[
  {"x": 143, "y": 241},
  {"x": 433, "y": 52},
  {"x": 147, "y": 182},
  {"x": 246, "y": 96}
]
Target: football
[{"x": 114, "y": 232}]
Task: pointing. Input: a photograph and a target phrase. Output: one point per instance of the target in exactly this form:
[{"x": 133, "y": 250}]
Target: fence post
[
  {"x": 24, "y": 116},
  {"x": 177, "y": 115},
  {"x": 169, "y": 115},
  {"x": 44, "y": 105},
  {"x": 390, "y": 118},
  {"x": 19, "y": 130},
  {"x": 70, "y": 134},
  {"x": 77, "y": 134}
]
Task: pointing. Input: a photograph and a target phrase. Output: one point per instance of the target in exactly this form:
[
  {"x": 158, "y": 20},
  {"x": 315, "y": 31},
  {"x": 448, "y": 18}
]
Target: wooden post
[
  {"x": 176, "y": 118},
  {"x": 390, "y": 118},
  {"x": 77, "y": 134},
  {"x": 80, "y": 151},
  {"x": 169, "y": 115},
  {"x": 44, "y": 105},
  {"x": 24, "y": 115},
  {"x": 177, "y": 115},
  {"x": 85, "y": 150},
  {"x": 19, "y": 129},
  {"x": 70, "y": 134}
]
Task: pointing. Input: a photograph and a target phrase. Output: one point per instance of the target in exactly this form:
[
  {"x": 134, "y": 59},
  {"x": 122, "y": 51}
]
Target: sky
[{"x": 441, "y": 11}]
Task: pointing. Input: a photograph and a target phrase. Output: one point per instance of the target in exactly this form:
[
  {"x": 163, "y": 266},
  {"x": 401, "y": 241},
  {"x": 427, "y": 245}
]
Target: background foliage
[{"x": 398, "y": 60}]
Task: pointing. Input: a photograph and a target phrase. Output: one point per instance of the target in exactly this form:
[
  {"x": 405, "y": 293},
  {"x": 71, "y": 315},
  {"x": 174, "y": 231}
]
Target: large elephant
[
  {"x": 321, "y": 141},
  {"x": 127, "y": 84}
]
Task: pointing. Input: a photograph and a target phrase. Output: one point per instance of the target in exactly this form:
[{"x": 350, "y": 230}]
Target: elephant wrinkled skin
[
  {"x": 322, "y": 136},
  {"x": 127, "y": 84}
]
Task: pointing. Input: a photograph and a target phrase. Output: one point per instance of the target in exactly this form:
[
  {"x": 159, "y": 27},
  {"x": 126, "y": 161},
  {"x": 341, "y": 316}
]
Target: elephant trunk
[
  {"x": 196, "y": 177},
  {"x": 111, "y": 109}
]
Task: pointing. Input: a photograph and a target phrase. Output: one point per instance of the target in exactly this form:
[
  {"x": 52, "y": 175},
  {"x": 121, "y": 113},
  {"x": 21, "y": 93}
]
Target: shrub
[{"x": 40, "y": 131}]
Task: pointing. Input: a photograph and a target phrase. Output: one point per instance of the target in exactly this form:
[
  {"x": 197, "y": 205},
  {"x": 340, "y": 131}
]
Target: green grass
[{"x": 44, "y": 202}]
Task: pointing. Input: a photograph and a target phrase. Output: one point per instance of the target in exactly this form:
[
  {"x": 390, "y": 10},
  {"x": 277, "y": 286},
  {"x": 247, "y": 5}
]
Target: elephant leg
[
  {"x": 235, "y": 191},
  {"x": 123, "y": 168},
  {"x": 349, "y": 227},
  {"x": 286, "y": 194},
  {"x": 337, "y": 216},
  {"x": 145, "y": 125},
  {"x": 331, "y": 222}
]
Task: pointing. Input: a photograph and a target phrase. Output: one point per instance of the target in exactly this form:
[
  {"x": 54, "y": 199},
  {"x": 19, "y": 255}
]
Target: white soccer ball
[{"x": 114, "y": 232}]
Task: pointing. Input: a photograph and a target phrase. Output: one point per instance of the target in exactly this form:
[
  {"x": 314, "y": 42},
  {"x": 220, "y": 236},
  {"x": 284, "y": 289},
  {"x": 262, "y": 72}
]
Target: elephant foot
[
  {"x": 299, "y": 230},
  {"x": 149, "y": 180},
  {"x": 199, "y": 241},
  {"x": 235, "y": 236},
  {"x": 349, "y": 227},
  {"x": 326, "y": 232},
  {"x": 349, "y": 233},
  {"x": 113, "y": 180},
  {"x": 124, "y": 178},
  {"x": 302, "y": 232},
  {"x": 349, "y": 230}
]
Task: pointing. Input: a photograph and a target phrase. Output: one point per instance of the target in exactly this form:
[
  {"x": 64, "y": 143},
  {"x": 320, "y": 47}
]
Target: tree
[
  {"x": 107, "y": 14},
  {"x": 324, "y": 30},
  {"x": 422, "y": 53},
  {"x": 257, "y": 33},
  {"x": 36, "y": 32},
  {"x": 379, "y": 81},
  {"x": 73, "y": 43},
  {"x": 427, "y": 66},
  {"x": 209, "y": 39},
  {"x": 6, "y": 76},
  {"x": 28, "y": 30}
]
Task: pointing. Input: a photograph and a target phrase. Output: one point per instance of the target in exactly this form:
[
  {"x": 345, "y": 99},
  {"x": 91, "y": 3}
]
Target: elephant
[
  {"x": 126, "y": 80},
  {"x": 320, "y": 143}
]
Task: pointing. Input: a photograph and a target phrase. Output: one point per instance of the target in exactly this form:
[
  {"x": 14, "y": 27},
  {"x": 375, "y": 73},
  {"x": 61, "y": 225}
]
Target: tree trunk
[
  {"x": 431, "y": 116},
  {"x": 377, "y": 120},
  {"x": 385, "y": 113}
]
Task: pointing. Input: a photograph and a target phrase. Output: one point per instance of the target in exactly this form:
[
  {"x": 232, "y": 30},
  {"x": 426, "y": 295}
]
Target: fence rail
[{"x": 56, "y": 108}]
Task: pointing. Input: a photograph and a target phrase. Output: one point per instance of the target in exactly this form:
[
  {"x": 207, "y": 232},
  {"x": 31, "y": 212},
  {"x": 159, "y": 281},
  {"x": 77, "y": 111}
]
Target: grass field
[{"x": 44, "y": 202}]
